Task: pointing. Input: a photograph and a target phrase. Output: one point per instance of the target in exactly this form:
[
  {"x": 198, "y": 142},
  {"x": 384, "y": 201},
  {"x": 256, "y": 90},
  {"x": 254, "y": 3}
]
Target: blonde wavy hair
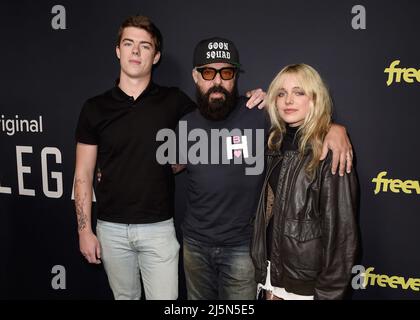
[{"x": 318, "y": 120}]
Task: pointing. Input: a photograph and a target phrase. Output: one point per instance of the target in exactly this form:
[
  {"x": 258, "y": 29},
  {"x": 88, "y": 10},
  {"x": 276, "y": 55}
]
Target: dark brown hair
[{"x": 142, "y": 22}]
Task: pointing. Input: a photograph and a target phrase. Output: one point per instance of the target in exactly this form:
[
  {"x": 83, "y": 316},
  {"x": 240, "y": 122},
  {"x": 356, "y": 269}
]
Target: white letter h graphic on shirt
[{"x": 236, "y": 145}]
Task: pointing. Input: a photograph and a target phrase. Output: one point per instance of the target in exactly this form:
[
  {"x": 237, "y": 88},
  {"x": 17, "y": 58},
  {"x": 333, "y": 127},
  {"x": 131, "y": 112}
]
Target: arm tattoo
[{"x": 79, "y": 203}]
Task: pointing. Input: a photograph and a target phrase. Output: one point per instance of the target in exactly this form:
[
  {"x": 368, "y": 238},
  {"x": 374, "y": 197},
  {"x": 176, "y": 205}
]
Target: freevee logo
[
  {"x": 366, "y": 277},
  {"x": 408, "y": 74},
  {"x": 395, "y": 185},
  {"x": 12, "y": 126}
]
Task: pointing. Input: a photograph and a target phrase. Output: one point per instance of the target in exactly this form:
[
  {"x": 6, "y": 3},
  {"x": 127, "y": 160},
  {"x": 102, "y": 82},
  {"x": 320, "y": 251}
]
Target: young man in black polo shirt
[{"x": 117, "y": 133}]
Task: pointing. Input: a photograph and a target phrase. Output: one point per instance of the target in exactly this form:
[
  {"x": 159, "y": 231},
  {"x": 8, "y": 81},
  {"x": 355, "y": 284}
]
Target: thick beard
[{"x": 216, "y": 109}]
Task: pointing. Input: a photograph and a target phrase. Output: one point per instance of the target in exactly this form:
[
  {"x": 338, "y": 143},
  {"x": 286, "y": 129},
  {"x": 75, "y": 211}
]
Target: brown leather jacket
[{"x": 314, "y": 230}]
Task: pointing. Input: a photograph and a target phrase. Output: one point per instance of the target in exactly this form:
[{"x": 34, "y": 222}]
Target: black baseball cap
[{"x": 215, "y": 49}]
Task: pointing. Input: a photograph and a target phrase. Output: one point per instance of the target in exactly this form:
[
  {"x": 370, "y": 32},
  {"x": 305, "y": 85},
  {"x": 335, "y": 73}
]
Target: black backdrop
[{"x": 49, "y": 73}]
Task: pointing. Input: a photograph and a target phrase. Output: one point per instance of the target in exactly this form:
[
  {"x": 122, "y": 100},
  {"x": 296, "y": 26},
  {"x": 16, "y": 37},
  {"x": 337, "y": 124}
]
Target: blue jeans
[
  {"x": 212, "y": 273},
  {"x": 128, "y": 250}
]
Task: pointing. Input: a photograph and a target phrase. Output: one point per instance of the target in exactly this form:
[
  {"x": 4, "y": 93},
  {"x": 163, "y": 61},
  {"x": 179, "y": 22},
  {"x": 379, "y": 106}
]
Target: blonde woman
[{"x": 305, "y": 235}]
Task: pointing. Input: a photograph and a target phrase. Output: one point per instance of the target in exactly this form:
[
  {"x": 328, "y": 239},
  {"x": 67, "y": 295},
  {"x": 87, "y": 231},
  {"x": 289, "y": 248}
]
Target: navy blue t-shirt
[{"x": 225, "y": 172}]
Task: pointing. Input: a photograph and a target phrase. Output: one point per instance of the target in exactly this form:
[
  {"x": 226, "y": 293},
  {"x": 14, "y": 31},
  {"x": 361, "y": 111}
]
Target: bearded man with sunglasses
[{"x": 221, "y": 194}]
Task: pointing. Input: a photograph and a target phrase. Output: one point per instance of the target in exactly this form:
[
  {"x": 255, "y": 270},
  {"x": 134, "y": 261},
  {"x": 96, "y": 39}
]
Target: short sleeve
[
  {"x": 185, "y": 104},
  {"x": 181, "y": 142},
  {"x": 85, "y": 131}
]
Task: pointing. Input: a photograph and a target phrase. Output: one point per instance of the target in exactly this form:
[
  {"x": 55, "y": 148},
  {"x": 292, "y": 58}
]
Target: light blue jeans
[{"x": 128, "y": 250}]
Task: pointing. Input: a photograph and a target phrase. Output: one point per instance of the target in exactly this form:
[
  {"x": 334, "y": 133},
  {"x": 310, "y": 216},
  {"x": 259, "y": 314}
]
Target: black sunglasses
[{"x": 208, "y": 73}]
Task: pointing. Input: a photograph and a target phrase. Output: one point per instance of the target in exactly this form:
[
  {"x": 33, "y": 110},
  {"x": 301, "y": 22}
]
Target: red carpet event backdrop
[{"x": 56, "y": 54}]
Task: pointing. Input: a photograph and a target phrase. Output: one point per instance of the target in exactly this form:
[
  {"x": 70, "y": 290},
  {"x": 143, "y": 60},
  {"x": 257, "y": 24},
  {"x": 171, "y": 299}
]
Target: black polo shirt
[{"x": 134, "y": 187}]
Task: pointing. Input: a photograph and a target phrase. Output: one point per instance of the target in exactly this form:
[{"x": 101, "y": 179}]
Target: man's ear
[
  {"x": 117, "y": 52},
  {"x": 195, "y": 75},
  {"x": 156, "y": 58}
]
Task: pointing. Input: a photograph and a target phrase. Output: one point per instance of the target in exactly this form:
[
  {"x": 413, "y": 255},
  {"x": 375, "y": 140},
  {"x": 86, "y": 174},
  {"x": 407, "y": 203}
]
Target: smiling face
[
  {"x": 293, "y": 103},
  {"x": 137, "y": 53}
]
